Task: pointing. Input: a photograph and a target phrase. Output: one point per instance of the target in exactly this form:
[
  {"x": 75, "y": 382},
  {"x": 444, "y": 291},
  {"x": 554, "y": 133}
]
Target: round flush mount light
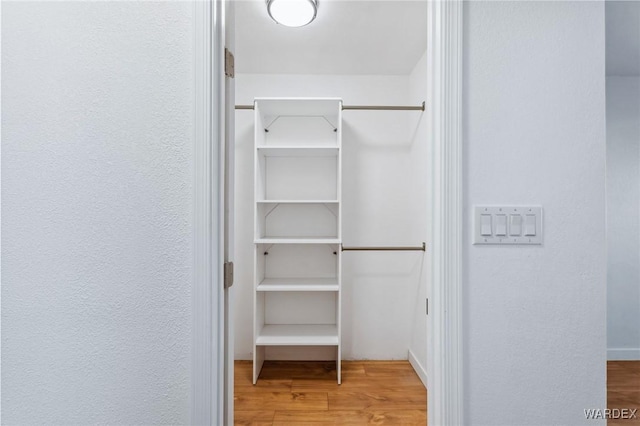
[{"x": 292, "y": 13}]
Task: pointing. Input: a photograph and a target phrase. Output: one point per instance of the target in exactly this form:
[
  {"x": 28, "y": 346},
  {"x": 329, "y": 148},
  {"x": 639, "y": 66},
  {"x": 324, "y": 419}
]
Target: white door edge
[{"x": 229, "y": 109}]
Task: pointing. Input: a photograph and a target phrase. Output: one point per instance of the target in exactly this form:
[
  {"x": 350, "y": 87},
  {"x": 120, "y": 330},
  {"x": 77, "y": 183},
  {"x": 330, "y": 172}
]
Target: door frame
[
  {"x": 209, "y": 402},
  {"x": 209, "y": 398},
  {"x": 444, "y": 322}
]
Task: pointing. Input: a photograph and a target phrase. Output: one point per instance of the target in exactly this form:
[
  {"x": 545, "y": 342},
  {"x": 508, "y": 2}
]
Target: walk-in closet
[{"x": 332, "y": 194}]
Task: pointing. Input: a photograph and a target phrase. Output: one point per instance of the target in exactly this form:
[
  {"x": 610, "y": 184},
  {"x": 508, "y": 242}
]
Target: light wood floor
[
  {"x": 372, "y": 392},
  {"x": 623, "y": 389},
  {"x": 292, "y": 393}
]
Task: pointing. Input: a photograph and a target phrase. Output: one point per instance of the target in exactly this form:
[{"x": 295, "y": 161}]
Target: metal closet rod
[
  {"x": 374, "y": 248},
  {"x": 367, "y": 107}
]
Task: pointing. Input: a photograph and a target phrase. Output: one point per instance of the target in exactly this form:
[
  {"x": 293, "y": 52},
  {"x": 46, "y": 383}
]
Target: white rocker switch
[
  {"x": 485, "y": 224},
  {"x": 501, "y": 224},
  {"x": 515, "y": 225},
  {"x": 508, "y": 225},
  {"x": 530, "y": 225}
]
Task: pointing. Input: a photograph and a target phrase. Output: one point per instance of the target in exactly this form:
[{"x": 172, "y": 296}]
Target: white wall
[
  {"x": 623, "y": 218},
  {"x": 379, "y": 288},
  {"x": 534, "y": 133},
  {"x": 97, "y": 212}
]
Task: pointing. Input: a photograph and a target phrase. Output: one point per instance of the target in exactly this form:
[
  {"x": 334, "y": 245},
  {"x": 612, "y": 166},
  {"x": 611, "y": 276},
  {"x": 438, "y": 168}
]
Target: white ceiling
[
  {"x": 623, "y": 37},
  {"x": 347, "y": 37}
]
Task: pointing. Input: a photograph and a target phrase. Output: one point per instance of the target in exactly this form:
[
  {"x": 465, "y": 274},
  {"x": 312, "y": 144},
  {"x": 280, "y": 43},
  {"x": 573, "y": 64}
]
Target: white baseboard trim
[
  {"x": 417, "y": 366},
  {"x": 623, "y": 354}
]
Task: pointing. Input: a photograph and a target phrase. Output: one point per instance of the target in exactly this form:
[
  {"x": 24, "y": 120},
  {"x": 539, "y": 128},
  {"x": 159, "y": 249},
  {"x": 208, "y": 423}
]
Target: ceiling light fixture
[{"x": 292, "y": 13}]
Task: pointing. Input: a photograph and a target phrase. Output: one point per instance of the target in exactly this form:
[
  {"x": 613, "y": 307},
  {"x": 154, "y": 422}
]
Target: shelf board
[
  {"x": 297, "y": 202},
  {"x": 299, "y": 106},
  {"x": 298, "y": 151},
  {"x": 298, "y": 240},
  {"x": 298, "y": 284},
  {"x": 298, "y": 335}
]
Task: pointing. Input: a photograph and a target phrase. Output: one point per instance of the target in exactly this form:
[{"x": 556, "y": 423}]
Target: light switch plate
[{"x": 517, "y": 235}]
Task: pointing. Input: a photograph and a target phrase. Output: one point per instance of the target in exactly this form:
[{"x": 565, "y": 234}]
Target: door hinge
[
  {"x": 228, "y": 274},
  {"x": 427, "y": 306},
  {"x": 229, "y": 64}
]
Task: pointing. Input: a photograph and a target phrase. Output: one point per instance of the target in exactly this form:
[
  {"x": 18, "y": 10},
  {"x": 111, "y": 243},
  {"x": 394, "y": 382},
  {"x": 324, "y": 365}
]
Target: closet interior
[{"x": 332, "y": 169}]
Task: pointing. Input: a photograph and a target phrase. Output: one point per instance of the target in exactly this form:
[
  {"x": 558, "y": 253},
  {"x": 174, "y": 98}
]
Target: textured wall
[
  {"x": 623, "y": 218},
  {"x": 96, "y": 212},
  {"x": 379, "y": 288},
  {"x": 534, "y": 133}
]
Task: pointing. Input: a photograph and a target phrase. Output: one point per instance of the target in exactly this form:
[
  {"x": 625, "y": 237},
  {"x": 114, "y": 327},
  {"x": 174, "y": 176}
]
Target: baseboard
[
  {"x": 417, "y": 366},
  {"x": 623, "y": 354}
]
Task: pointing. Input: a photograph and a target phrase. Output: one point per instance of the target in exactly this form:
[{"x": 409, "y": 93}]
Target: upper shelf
[
  {"x": 297, "y": 201},
  {"x": 298, "y": 151},
  {"x": 298, "y": 240},
  {"x": 299, "y": 106}
]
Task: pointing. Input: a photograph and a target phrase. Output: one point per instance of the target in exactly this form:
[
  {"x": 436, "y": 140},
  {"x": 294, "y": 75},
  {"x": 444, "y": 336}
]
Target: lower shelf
[
  {"x": 298, "y": 335},
  {"x": 298, "y": 284}
]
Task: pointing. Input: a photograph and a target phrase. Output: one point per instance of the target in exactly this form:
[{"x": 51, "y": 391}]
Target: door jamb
[
  {"x": 444, "y": 323},
  {"x": 207, "y": 404}
]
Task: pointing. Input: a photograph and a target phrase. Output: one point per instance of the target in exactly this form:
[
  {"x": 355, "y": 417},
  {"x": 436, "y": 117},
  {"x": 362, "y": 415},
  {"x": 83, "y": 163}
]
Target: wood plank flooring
[
  {"x": 294, "y": 393},
  {"x": 372, "y": 392},
  {"x": 623, "y": 390}
]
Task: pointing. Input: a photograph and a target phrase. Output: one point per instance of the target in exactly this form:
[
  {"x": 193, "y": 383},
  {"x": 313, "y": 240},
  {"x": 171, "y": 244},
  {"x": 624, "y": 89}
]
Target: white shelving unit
[{"x": 298, "y": 225}]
